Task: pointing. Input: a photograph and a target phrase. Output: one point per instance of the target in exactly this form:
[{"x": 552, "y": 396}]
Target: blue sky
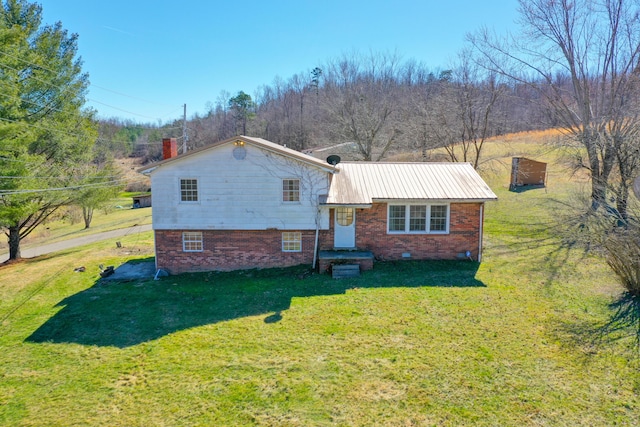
[{"x": 147, "y": 58}]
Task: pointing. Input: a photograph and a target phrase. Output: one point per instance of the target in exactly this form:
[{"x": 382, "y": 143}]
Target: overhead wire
[
  {"x": 90, "y": 84},
  {"x": 72, "y": 187},
  {"x": 59, "y": 131},
  {"x": 57, "y": 177}
]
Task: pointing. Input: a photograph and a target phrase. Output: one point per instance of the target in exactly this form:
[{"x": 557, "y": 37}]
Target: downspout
[
  {"x": 480, "y": 232},
  {"x": 315, "y": 246}
]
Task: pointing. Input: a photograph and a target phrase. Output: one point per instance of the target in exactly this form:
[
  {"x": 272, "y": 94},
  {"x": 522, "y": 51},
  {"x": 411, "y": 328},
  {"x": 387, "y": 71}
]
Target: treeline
[{"x": 379, "y": 102}]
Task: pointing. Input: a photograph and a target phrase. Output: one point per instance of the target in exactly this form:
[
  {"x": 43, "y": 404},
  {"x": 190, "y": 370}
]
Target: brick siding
[
  {"x": 371, "y": 234},
  {"x": 230, "y": 250},
  {"x": 236, "y": 250}
]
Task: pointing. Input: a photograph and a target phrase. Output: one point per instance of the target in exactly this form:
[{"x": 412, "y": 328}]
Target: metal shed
[{"x": 527, "y": 172}]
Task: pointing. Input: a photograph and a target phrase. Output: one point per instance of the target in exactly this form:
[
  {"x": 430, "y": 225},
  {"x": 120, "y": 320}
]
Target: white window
[
  {"x": 192, "y": 241},
  {"x": 290, "y": 190},
  {"x": 439, "y": 218},
  {"x": 418, "y": 219},
  {"x": 189, "y": 190},
  {"x": 344, "y": 216},
  {"x": 291, "y": 241}
]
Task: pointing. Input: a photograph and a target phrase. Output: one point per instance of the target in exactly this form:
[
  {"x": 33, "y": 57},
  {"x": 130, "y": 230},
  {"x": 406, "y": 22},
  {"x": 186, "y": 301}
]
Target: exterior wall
[
  {"x": 237, "y": 193},
  {"x": 371, "y": 234},
  {"x": 527, "y": 172},
  {"x": 230, "y": 250},
  {"x": 142, "y": 201}
]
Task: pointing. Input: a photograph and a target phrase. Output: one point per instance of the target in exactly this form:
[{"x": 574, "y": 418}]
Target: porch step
[{"x": 341, "y": 271}]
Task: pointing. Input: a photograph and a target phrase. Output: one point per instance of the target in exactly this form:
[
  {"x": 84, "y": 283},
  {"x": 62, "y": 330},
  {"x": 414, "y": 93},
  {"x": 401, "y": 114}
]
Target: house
[{"x": 249, "y": 203}]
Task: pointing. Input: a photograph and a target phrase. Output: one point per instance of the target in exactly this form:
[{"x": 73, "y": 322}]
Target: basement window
[
  {"x": 192, "y": 241},
  {"x": 418, "y": 219},
  {"x": 292, "y": 241}
]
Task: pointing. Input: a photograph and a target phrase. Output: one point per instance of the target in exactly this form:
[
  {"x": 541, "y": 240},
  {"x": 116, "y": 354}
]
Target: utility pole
[{"x": 185, "y": 136}]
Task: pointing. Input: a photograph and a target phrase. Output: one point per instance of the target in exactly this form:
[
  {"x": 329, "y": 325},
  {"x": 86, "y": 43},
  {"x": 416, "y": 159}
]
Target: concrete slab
[{"x": 133, "y": 271}]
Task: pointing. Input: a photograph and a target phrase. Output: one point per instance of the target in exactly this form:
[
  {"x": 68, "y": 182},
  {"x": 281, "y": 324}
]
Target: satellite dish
[
  {"x": 636, "y": 187},
  {"x": 333, "y": 159}
]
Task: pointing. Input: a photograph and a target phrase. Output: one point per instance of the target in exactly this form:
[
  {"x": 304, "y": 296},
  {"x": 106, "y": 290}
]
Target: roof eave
[
  {"x": 254, "y": 141},
  {"x": 435, "y": 199}
]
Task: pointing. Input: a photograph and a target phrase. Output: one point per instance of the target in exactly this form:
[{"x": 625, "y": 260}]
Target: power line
[
  {"x": 38, "y": 66},
  {"x": 74, "y": 187},
  {"x": 57, "y": 177},
  {"x": 120, "y": 109},
  {"x": 90, "y": 84}
]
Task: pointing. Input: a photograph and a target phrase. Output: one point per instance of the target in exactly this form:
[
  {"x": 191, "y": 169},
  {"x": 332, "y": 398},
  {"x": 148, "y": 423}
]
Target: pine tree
[{"x": 44, "y": 131}]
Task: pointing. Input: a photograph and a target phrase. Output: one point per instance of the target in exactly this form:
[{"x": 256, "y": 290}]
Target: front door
[{"x": 345, "y": 228}]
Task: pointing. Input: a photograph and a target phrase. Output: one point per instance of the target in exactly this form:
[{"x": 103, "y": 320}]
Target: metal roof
[{"x": 361, "y": 183}]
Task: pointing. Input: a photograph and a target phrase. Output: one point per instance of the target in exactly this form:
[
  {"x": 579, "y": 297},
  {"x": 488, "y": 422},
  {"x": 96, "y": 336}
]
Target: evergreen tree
[{"x": 44, "y": 132}]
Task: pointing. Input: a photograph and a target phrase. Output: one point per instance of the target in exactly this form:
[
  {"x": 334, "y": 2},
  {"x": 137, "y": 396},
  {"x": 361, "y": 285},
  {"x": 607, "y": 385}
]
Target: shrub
[{"x": 622, "y": 252}]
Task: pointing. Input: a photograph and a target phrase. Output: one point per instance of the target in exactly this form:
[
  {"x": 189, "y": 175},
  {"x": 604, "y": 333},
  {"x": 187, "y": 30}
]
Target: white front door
[{"x": 345, "y": 228}]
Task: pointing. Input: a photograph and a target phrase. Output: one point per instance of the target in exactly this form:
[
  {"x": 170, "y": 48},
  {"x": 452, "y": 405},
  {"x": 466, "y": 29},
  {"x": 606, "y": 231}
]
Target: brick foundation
[
  {"x": 230, "y": 250},
  {"x": 237, "y": 250}
]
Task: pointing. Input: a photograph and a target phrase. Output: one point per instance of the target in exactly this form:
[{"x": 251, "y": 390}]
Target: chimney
[{"x": 169, "y": 148}]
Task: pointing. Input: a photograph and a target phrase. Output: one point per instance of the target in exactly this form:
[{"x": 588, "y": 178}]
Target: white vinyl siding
[
  {"x": 237, "y": 194},
  {"x": 418, "y": 218}
]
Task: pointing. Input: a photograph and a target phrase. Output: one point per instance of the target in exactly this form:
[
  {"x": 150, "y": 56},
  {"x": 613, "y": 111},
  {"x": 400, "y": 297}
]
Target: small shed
[
  {"x": 142, "y": 201},
  {"x": 527, "y": 172}
]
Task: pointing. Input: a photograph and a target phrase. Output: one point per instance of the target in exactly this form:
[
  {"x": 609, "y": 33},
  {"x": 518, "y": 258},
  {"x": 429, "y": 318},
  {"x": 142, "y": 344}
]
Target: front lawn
[
  {"x": 513, "y": 341},
  {"x": 522, "y": 339}
]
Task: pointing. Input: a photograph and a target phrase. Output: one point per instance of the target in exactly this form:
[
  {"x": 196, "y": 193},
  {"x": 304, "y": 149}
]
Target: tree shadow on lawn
[
  {"x": 622, "y": 324},
  {"x": 124, "y": 314}
]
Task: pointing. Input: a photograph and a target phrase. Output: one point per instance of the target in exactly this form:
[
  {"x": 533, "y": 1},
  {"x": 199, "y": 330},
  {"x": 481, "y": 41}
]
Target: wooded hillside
[{"x": 380, "y": 102}]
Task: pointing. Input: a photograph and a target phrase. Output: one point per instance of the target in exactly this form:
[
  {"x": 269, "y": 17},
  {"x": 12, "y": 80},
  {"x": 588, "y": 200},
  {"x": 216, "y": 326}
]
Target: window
[
  {"x": 290, "y": 190},
  {"x": 189, "y": 190},
  {"x": 344, "y": 216},
  {"x": 418, "y": 219},
  {"x": 438, "y": 218},
  {"x": 291, "y": 241},
  {"x": 192, "y": 241},
  {"x": 396, "y": 218}
]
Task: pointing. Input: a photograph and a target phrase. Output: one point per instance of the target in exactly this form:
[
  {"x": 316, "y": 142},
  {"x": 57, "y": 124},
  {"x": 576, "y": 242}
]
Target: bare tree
[
  {"x": 359, "y": 97},
  {"x": 425, "y": 100},
  {"x": 465, "y": 114},
  {"x": 581, "y": 57}
]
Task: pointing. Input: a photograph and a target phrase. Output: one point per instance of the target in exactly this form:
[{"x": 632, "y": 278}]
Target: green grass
[
  {"x": 518, "y": 340},
  {"x": 117, "y": 215}
]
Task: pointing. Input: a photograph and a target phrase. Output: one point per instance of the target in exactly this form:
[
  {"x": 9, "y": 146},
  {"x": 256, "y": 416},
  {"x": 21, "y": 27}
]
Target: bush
[{"x": 622, "y": 252}]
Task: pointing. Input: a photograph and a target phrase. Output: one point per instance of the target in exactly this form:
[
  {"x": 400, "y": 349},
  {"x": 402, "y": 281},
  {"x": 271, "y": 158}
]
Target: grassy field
[
  {"x": 518, "y": 340},
  {"x": 69, "y": 224}
]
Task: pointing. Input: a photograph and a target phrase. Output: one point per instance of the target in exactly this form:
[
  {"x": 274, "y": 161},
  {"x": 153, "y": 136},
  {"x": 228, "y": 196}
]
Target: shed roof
[{"x": 361, "y": 183}]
